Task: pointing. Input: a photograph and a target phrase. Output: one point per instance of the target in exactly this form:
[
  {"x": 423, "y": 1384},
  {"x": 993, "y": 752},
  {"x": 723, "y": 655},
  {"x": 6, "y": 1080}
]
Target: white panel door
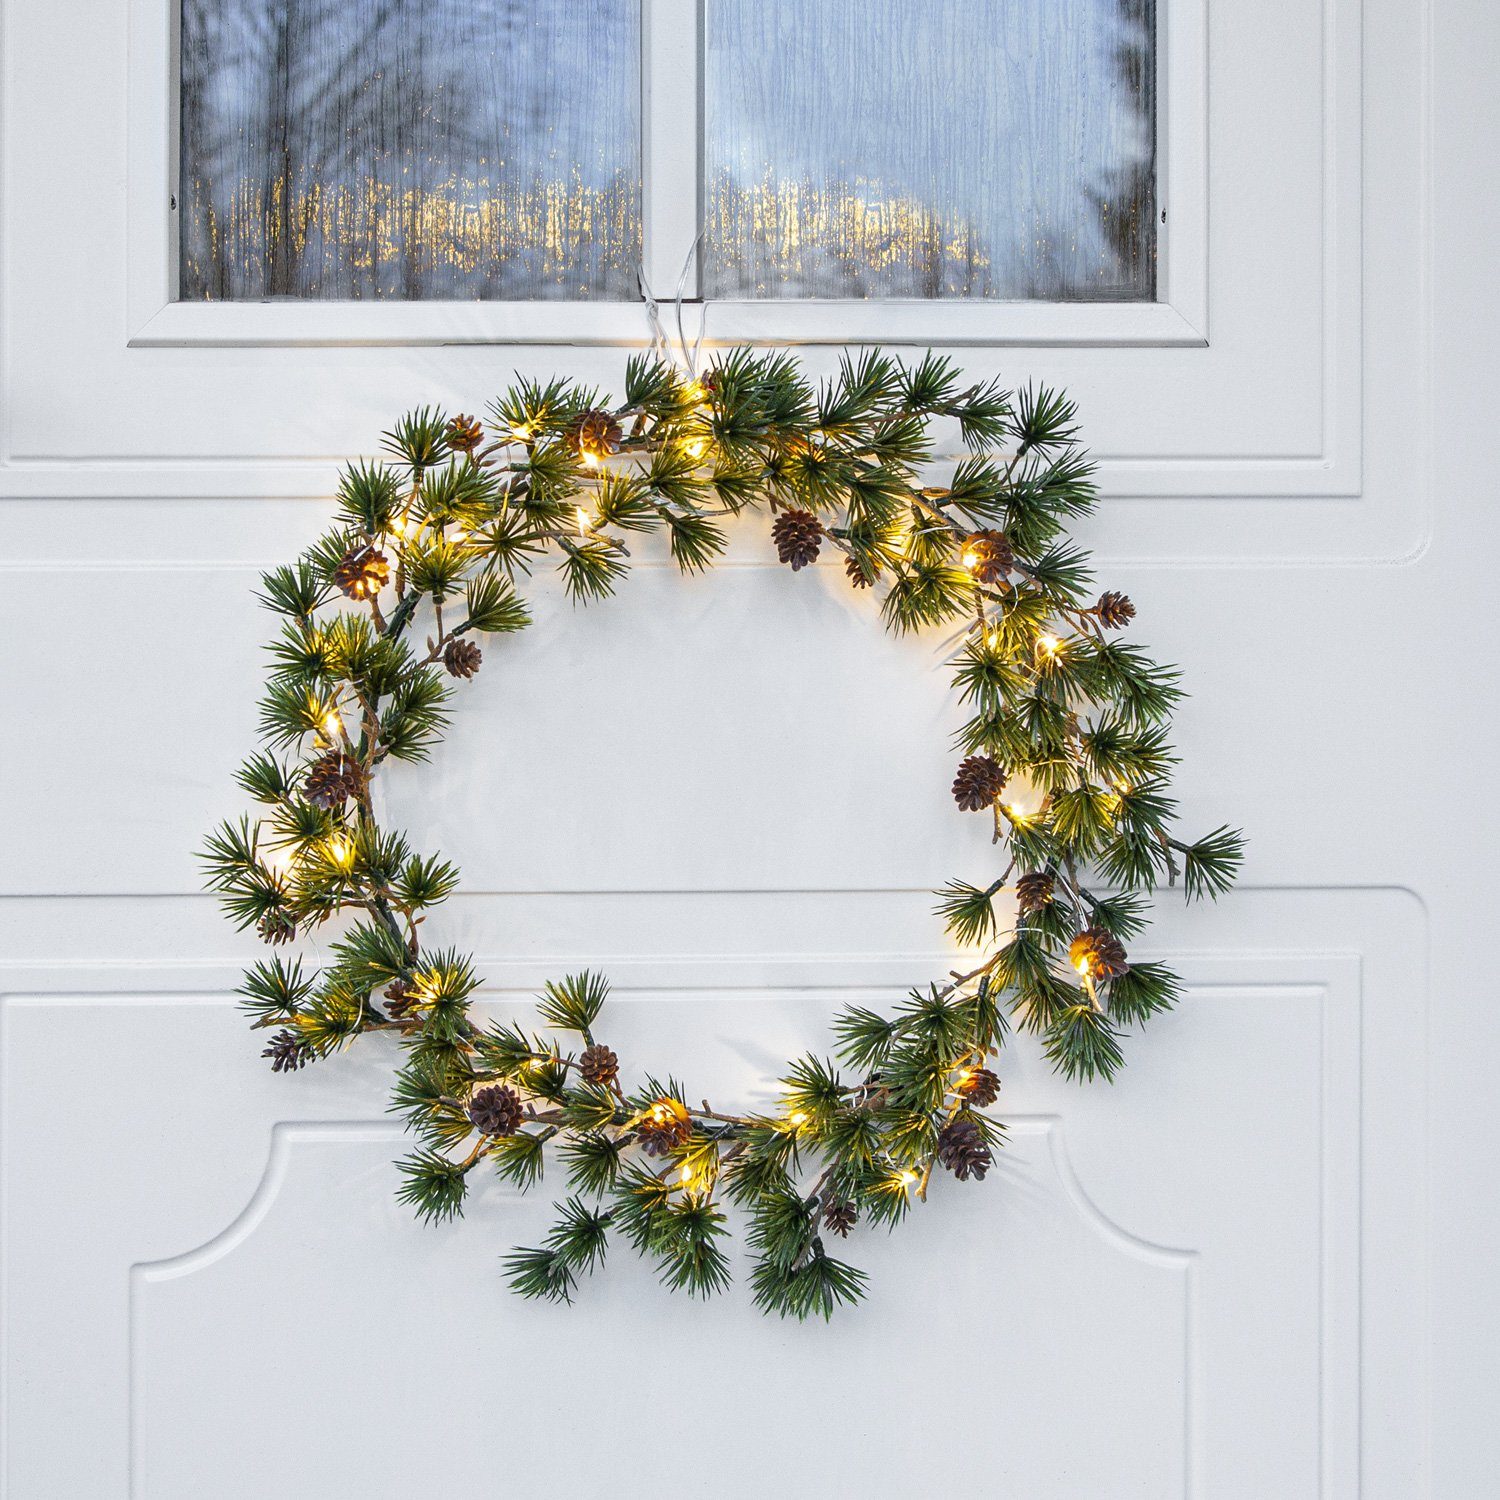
[{"x": 1258, "y": 1266}]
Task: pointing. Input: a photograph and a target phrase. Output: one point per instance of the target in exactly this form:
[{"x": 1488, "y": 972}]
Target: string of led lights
[{"x": 1064, "y": 750}]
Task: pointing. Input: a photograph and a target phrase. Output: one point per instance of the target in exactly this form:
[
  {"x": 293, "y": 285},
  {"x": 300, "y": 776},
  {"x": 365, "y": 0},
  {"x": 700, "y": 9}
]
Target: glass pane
[
  {"x": 410, "y": 149},
  {"x": 931, "y": 148}
]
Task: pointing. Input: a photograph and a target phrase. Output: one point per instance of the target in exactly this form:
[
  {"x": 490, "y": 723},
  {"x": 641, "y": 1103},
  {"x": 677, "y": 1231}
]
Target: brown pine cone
[
  {"x": 980, "y": 779},
  {"x": 840, "y": 1216},
  {"x": 464, "y": 433},
  {"x": 363, "y": 573},
  {"x": 276, "y": 927},
  {"x": 594, "y": 435},
  {"x": 1098, "y": 954},
  {"x": 1115, "y": 611},
  {"x": 665, "y": 1127},
  {"x": 856, "y": 572},
  {"x": 288, "y": 1051},
  {"x": 1034, "y": 891},
  {"x": 598, "y": 1065},
  {"x": 962, "y": 1150},
  {"x": 462, "y": 658},
  {"x": 333, "y": 779},
  {"x": 988, "y": 556},
  {"x": 979, "y": 1086},
  {"x": 400, "y": 999},
  {"x": 798, "y": 535},
  {"x": 495, "y": 1109}
]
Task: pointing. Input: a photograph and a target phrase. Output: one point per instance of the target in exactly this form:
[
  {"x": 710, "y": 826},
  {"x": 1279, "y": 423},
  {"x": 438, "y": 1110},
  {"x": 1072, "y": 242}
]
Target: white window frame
[{"x": 672, "y": 156}]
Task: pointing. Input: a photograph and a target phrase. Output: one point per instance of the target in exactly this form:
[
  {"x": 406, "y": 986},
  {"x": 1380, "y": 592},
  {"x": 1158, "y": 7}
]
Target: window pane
[
  {"x": 931, "y": 148},
  {"x": 410, "y": 149}
]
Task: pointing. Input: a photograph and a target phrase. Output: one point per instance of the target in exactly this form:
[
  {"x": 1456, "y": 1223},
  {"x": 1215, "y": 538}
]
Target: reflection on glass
[
  {"x": 410, "y": 149},
  {"x": 931, "y": 148}
]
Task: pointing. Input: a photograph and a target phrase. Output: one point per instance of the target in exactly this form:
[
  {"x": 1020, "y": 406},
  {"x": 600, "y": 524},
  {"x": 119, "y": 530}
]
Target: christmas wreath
[{"x": 1064, "y": 750}]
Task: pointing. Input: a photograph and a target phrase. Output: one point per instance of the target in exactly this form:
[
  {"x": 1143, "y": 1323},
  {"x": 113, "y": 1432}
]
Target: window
[
  {"x": 520, "y": 151},
  {"x": 409, "y": 149},
  {"x": 930, "y": 148}
]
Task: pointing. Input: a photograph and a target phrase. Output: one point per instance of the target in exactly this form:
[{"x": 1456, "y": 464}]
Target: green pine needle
[
  {"x": 543, "y": 1275},
  {"x": 432, "y": 1186},
  {"x": 1210, "y": 866},
  {"x": 968, "y": 912},
  {"x": 1083, "y": 1045},
  {"x": 492, "y": 606},
  {"x": 573, "y": 1004},
  {"x": 816, "y": 1288}
]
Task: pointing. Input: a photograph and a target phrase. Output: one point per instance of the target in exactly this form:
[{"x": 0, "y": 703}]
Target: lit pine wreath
[{"x": 1066, "y": 751}]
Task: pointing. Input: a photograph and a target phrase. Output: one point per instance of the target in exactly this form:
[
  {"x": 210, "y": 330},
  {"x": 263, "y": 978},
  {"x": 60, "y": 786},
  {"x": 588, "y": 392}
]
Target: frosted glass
[
  {"x": 930, "y": 148},
  {"x": 410, "y": 149}
]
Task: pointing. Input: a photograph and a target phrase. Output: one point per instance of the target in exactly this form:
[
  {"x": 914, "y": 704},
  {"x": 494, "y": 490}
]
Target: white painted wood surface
[{"x": 1257, "y": 1267}]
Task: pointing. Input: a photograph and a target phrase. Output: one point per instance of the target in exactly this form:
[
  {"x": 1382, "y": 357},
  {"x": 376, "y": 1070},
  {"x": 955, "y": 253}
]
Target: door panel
[{"x": 1206, "y": 1278}]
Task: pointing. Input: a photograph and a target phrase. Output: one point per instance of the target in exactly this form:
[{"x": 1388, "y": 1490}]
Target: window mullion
[{"x": 671, "y": 141}]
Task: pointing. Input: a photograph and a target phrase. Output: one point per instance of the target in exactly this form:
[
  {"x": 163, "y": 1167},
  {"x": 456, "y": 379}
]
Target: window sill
[{"x": 947, "y": 324}]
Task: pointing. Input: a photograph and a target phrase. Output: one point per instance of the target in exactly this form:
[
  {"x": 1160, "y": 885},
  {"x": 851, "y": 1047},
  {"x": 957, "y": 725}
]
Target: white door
[{"x": 1258, "y": 1266}]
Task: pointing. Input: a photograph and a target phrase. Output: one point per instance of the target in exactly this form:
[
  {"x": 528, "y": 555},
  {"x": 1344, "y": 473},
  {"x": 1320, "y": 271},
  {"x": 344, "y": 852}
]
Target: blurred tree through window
[
  {"x": 410, "y": 149},
  {"x": 931, "y": 148}
]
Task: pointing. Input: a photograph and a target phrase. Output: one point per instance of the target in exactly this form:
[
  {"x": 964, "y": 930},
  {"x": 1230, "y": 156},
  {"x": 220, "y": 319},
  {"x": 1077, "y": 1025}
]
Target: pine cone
[
  {"x": 840, "y": 1216},
  {"x": 495, "y": 1109},
  {"x": 276, "y": 927},
  {"x": 598, "y": 1065},
  {"x": 1098, "y": 954},
  {"x": 856, "y": 572},
  {"x": 288, "y": 1051},
  {"x": 462, "y": 658},
  {"x": 980, "y": 779},
  {"x": 979, "y": 1086},
  {"x": 333, "y": 779},
  {"x": 798, "y": 535},
  {"x": 363, "y": 573},
  {"x": 962, "y": 1150},
  {"x": 595, "y": 435},
  {"x": 1115, "y": 611},
  {"x": 400, "y": 999},
  {"x": 988, "y": 556},
  {"x": 1034, "y": 891},
  {"x": 665, "y": 1127},
  {"x": 464, "y": 433}
]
